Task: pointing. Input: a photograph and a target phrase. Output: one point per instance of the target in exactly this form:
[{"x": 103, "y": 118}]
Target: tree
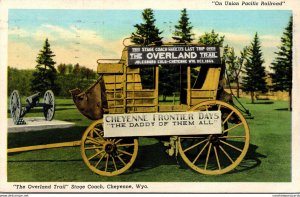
[
  {"x": 86, "y": 73},
  {"x": 211, "y": 39},
  {"x": 44, "y": 77},
  {"x": 234, "y": 65},
  {"x": 183, "y": 29},
  {"x": 76, "y": 69},
  {"x": 19, "y": 80},
  {"x": 172, "y": 72},
  {"x": 62, "y": 69},
  {"x": 282, "y": 65},
  {"x": 146, "y": 33},
  {"x": 255, "y": 71},
  {"x": 78, "y": 76},
  {"x": 70, "y": 68},
  {"x": 169, "y": 80}
]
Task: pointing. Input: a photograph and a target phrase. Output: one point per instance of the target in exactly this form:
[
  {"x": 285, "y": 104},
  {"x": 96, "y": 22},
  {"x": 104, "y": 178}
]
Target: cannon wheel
[
  {"x": 219, "y": 153},
  {"x": 15, "y": 106},
  {"x": 107, "y": 156},
  {"x": 49, "y": 105}
]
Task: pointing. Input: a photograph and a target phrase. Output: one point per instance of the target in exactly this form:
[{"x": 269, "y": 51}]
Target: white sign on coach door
[{"x": 156, "y": 124}]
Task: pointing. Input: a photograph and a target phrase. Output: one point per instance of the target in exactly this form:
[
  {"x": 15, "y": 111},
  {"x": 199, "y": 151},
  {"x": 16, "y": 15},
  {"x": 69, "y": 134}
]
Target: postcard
[{"x": 149, "y": 97}]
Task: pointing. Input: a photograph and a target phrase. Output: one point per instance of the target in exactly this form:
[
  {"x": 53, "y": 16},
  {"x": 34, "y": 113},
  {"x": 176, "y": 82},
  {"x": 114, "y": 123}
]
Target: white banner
[
  {"x": 157, "y": 124},
  {"x": 173, "y": 55}
]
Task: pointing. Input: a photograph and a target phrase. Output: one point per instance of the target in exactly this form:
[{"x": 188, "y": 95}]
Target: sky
[{"x": 83, "y": 36}]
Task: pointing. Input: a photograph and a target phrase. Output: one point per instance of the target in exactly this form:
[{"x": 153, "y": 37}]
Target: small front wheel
[{"x": 107, "y": 156}]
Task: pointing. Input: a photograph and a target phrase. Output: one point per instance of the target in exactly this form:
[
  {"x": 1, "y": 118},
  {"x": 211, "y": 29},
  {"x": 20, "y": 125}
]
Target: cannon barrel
[{"x": 33, "y": 98}]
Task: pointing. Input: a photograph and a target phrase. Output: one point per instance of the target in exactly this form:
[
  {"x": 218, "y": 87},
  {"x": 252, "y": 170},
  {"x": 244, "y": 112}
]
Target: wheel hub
[
  {"x": 214, "y": 139},
  {"x": 110, "y": 148}
]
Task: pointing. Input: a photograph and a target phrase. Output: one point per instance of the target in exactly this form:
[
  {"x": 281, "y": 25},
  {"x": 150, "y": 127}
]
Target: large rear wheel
[{"x": 217, "y": 153}]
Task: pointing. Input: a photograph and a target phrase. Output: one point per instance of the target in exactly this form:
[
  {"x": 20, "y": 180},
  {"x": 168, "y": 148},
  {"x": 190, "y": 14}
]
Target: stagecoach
[
  {"x": 201, "y": 124},
  {"x": 124, "y": 110}
]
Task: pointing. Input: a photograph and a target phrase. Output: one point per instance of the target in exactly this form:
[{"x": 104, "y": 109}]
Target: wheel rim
[
  {"x": 15, "y": 106},
  {"x": 221, "y": 153},
  {"x": 49, "y": 107},
  {"x": 107, "y": 156}
]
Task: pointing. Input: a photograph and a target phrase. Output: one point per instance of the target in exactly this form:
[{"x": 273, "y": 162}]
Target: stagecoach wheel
[
  {"x": 107, "y": 156},
  {"x": 49, "y": 105},
  {"x": 15, "y": 106},
  {"x": 219, "y": 153}
]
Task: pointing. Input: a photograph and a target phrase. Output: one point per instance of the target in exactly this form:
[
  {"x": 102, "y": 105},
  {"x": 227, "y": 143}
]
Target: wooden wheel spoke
[
  {"x": 230, "y": 145},
  {"x": 197, "y": 144},
  {"x": 200, "y": 153},
  {"x": 113, "y": 159},
  {"x": 119, "y": 157},
  {"x": 207, "y": 156},
  {"x": 106, "y": 163},
  {"x": 98, "y": 153},
  {"x": 226, "y": 154},
  {"x": 118, "y": 141},
  {"x": 125, "y": 152},
  {"x": 206, "y": 108},
  {"x": 229, "y": 115},
  {"x": 217, "y": 158},
  {"x": 97, "y": 132},
  {"x": 121, "y": 145},
  {"x": 228, "y": 136},
  {"x": 100, "y": 160},
  {"x": 93, "y": 140},
  {"x": 219, "y": 107},
  {"x": 235, "y": 126},
  {"x": 93, "y": 147}
]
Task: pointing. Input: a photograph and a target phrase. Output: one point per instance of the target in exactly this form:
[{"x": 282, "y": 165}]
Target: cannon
[{"x": 17, "y": 111}]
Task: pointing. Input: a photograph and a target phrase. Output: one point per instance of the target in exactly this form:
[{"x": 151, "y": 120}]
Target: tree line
[
  {"x": 68, "y": 76},
  {"x": 248, "y": 66}
]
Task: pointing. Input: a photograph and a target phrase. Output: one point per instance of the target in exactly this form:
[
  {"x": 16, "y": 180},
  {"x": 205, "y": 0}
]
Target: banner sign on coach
[
  {"x": 173, "y": 55},
  {"x": 157, "y": 124}
]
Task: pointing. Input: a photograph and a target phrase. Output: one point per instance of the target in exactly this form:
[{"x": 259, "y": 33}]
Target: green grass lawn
[{"x": 268, "y": 158}]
